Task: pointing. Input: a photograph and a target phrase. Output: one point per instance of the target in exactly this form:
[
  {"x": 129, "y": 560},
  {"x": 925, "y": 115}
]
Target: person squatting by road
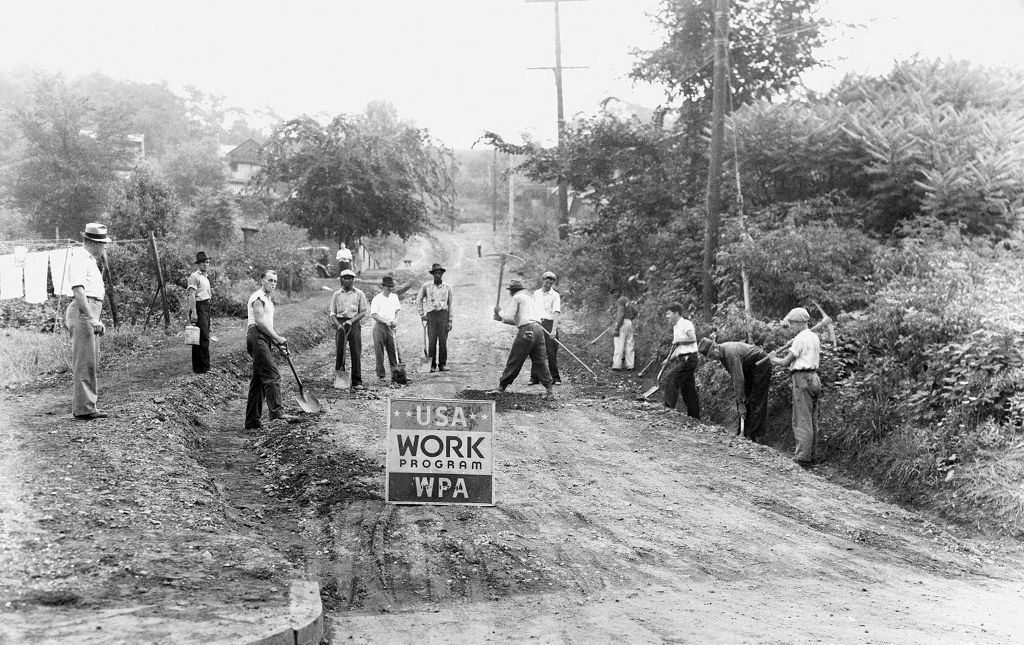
[
  {"x": 623, "y": 349},
  {"x": 82, "y": 320},
  {"x": 549, "y": 303},
  {"x": 751, "y": 375},
  {"x": 802, "y": 360},
  {"x": 434, "y": 302},
  {"x": 384, "y": 309},
  {"x": 348, "y": 308},
  {"x": 529, "y": 342},
  {"x": 199, "y": 294},
  {"x": 265, "y": 384},
  {"x": 681, "y": 363}
]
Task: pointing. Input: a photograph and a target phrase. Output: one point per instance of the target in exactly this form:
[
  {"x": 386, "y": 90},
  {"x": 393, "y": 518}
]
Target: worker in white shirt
[
  {"x": 549, "y": 303},
  {"x": 682, "y": 360},
  {"x": 82, "y": 319},
  {"x": 384, "y": 309}
]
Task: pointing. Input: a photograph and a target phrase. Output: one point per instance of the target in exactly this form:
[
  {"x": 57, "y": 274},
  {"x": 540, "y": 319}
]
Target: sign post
[{"x": 440, "y": 452}]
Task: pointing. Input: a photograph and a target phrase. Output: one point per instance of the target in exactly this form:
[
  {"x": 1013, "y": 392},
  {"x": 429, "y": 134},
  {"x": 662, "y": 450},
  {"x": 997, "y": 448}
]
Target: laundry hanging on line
[
  {"x": 59, "y": 265},
  {"x": 36, "y": 265},
  {"x": 11, "y": 277}
]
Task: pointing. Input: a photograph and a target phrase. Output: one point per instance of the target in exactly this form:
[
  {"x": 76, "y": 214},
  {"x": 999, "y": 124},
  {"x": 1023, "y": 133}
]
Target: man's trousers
[
  {"x": 201, "y": 352},
  {"x": 85, "y": 356},
  {"x": 678, "y": 377},
  {"x": 265, "y": 383},
  {"x": 354, "y": 341},
  {"x": 437, "y": 338},
  {"x": 756, "y": 380},
  {"x": 528, "y": 343},
  {"x": 551, "y": 347},
  {"x": 806, "y": 389},
  {"x": 384, "y": 341},
  {"x": 623, "y": 355}
]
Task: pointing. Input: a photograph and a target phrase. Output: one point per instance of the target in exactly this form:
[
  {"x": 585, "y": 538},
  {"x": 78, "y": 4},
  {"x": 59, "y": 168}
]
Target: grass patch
[{"x": 26, "y": 355}]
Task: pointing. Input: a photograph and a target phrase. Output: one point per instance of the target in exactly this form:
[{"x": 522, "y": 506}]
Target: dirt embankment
[{"x": 615, "y": 519}]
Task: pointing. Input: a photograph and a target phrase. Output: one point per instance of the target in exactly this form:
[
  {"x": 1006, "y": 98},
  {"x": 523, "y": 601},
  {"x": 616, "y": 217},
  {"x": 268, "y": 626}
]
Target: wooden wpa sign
[{"x": 440, "y": 452}]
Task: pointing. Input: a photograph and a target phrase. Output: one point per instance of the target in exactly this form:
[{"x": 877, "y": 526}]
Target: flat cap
[{"x": 797, "y": 314}]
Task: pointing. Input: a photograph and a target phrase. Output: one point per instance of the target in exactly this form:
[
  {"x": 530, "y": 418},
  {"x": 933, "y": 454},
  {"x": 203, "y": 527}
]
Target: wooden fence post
[
  {"x": 110, "y": 295},
  {"x": 160, "y": 280}
]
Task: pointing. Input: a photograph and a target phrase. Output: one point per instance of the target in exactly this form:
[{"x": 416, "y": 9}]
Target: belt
[
  {"x": 528, "y": 323},
  {"x": 804, "y": 369},
  {"x": 94, "y": 298}
]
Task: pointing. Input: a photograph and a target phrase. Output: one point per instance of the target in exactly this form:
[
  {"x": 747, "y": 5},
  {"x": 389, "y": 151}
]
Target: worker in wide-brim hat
[
  {"x": 82, "y": 319},
  {"x": 802, "y": 360},
  {"x": 434, "y": 302},
  {"x": 200, "y": 295},
  {"x": 529, "y": 341},
  {"x": 549, "y": 305},
  {"x": 385, "y": 309}
]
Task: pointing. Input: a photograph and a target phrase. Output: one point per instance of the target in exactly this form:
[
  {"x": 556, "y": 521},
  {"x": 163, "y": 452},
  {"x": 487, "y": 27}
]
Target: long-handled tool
[
  {"x": 306, "y": 400},
  {"x": 826, "y": 322},
  {"x": 647, "y": 367},
  {"x": 398, "y": 374},
  {"x": 601, "y": 334},
  {"x": 342, "y": 378},
  {"x": 562, "y": 345},
  {"x": 501, "y": 271},
  {"x": 646, "y": 396},
  {"x": 425, "y": 359}
]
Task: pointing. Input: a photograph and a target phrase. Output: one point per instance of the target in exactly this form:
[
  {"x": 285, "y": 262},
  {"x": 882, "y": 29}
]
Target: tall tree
[
  {"x": 143, "y": 203},
  {"x": 359, "y": 175},
  {"x": 69, "y": 154}
]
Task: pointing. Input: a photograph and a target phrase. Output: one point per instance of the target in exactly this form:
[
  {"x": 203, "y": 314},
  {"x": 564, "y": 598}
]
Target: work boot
[
  {"x": 287, "y": 418},
  {"x": 92, "y": 415},
  {"x": 549, "y": 395},
  {"x": 497, "y": 390}
]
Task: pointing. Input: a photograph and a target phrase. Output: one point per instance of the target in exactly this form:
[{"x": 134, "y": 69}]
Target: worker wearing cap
[
  {"x": 348, "y": 308},
  {"x": 549, "y": 303},
  {"x": 751, "y": 375},
  {"x": 529, "y": 342},
  {"x": 802, "y": 361},
  {"x": 82, "y": 319},
  {"x": 681, "y": 363},
  {"x": 434, "y": 302}
]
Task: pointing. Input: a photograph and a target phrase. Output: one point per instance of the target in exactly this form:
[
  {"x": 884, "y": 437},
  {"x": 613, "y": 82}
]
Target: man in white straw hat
[{"x": 82, "y": 319}]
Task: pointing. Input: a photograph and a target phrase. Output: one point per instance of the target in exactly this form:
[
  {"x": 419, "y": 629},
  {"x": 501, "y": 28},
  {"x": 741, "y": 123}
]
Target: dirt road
[
  {"x": 616, "y": 521},
  {"x": 620, "y": 521}
]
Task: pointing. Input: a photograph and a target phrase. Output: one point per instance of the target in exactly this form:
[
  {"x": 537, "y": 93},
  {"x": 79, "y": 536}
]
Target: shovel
[
  {"x": 646, "y": 396},
  {"x": 342, "y": 378},
  {"x": 425, "y": 359},
  {"x": 306, "y": 400},
  {"x": 398, "y": 374}
]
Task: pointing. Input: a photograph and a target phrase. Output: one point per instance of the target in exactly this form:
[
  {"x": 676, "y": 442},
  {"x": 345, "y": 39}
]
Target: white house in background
[{"x": 241, "y": 163}]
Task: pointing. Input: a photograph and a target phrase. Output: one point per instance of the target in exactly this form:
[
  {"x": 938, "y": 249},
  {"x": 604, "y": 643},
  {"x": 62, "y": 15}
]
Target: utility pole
[
  {"x": 494, "y": 191},
  {"x": 511, "y": 201},
  {"x": 714, "y": 194},
  {"x": 563, "y": 184}
]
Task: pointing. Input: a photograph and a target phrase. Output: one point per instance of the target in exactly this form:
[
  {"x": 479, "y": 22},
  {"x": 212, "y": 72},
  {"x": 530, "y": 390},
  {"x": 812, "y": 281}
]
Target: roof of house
[{"x": 246, "y": 152}]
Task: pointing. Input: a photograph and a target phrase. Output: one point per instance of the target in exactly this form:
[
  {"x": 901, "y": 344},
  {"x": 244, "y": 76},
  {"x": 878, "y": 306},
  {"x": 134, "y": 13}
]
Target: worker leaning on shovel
[
  {"x": 751, "y": 375},
  {"x": 265, "y": 383}
]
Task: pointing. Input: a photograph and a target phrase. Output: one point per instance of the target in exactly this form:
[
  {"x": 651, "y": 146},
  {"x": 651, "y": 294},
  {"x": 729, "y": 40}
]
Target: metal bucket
[{"x": 191, "y": 335}]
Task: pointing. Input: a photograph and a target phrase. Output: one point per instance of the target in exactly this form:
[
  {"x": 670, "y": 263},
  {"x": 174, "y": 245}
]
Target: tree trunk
[{"x": 714, "y": 193}]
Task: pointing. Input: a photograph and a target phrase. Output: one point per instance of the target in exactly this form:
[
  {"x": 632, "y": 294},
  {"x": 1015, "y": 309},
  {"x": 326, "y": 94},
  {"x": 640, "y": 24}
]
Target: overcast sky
[{"x": 457, "y": 67}]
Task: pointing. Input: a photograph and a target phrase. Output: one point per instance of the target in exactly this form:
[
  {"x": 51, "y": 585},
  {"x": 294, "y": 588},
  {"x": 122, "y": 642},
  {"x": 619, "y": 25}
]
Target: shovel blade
[
  {"x": 308, "y": 403},
  {"x": 342, "y": 380},
  {"x": 646, "y": 396},
  {"x": 424, "y": 367}
]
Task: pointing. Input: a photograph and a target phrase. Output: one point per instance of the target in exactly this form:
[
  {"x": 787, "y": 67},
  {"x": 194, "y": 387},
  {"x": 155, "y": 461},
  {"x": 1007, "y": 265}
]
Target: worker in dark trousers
[
  {"x": 199, "y": 295},
  {"x": 751, "y": 374},
  {"x": 529, "y": 342},
  {"x": 681, "y": 363}
]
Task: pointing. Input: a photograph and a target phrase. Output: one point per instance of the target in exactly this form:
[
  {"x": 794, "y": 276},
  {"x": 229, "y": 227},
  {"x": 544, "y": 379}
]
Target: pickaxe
[
  {"x": 826, "y": 321},
  {"x": 501, "y": 272},
  {"x": 601, "y": 334}
]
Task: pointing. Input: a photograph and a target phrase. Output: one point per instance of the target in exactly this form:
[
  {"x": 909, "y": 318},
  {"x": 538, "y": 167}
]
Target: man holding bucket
[{"x": 199, "y": 295}]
